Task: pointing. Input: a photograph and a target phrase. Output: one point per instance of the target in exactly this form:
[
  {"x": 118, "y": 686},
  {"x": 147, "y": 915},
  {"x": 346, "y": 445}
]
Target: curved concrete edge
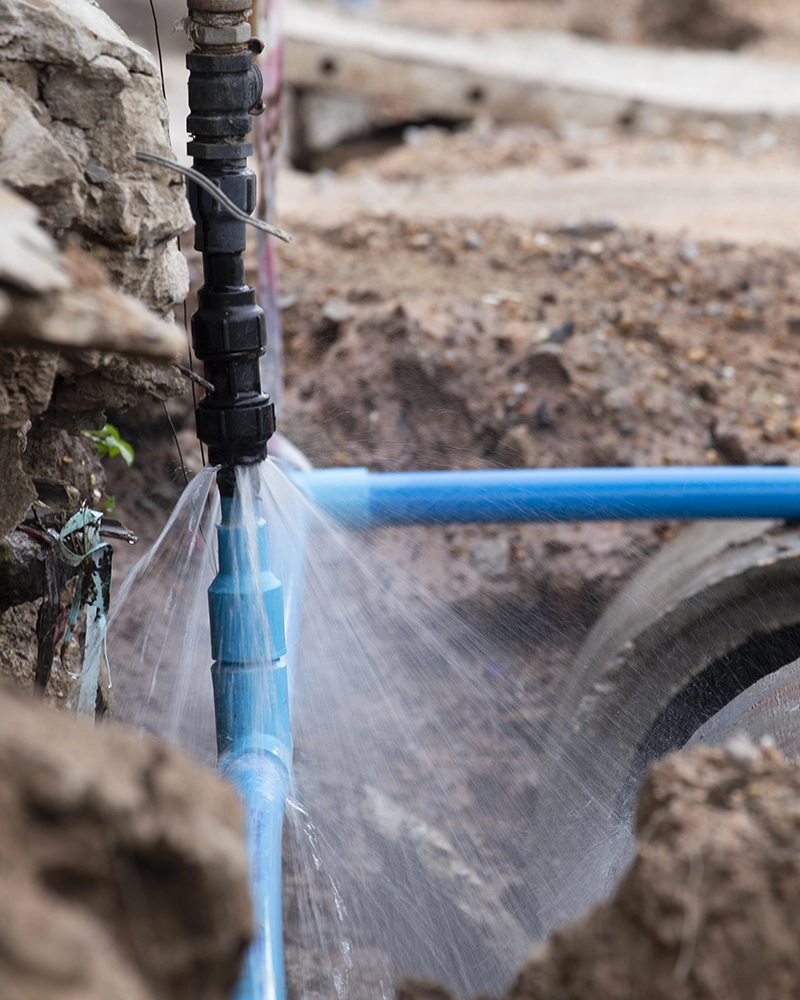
[{"x": 704, "y": 596}]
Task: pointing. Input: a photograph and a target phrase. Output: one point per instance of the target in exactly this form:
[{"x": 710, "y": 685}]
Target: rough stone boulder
[
  {"x": 78, "y": 99},
  {"x": 123, "y": 872},
  {"x": 63, "y": 333}
]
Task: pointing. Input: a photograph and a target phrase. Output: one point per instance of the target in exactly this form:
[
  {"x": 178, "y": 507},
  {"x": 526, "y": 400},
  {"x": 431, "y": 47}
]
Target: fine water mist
[
  {"x": 413, "y": 841},
  {"x": 395, "y": 862}
]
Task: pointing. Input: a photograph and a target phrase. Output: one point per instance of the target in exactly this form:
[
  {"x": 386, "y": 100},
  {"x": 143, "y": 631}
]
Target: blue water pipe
[
  {"x": 254, "y": 742},
  {"x": 361, "y": 499}
]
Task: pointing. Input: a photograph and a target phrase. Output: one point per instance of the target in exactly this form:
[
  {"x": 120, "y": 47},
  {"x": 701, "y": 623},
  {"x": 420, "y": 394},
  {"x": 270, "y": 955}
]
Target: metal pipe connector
[{"x": 221, "y": 6}]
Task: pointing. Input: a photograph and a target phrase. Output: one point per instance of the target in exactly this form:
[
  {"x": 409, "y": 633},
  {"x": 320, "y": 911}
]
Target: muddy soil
[{"x": 123, "y": 865}]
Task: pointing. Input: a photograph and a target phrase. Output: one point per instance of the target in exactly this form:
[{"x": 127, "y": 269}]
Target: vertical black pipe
[{"x": 229, "y": 336}]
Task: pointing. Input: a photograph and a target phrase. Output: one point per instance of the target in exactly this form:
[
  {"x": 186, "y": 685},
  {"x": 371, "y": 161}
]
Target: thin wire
[
  {"x": 158, "y": 49},
  {"x": 209, "y": 186},
  {"x": 177, "y": 442},
  {"x": 157, "y": 31},
  {"x": 190, "y": 374}
]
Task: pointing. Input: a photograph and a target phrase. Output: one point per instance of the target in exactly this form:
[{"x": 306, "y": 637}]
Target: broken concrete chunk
[
  {"x": 70, "y": 136},
  {"x": 83, "y": 98},
  {"x": 16, "y": 490},
  {"x": 64, "y": 32},
  {"x": 33, "y": 162},
  {"x": 29, "y": 259}
]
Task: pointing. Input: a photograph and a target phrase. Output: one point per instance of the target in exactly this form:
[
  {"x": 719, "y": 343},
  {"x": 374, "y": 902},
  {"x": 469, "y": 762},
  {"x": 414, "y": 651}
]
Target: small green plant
[{"x": 110, "y": 444}]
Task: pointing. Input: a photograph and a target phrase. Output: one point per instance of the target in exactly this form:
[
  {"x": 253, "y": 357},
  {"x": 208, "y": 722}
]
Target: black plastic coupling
[
  {"x": 229, "y": 334},
  {"x": 216, "y": 231},
  {"x": 223, "y": 91}
]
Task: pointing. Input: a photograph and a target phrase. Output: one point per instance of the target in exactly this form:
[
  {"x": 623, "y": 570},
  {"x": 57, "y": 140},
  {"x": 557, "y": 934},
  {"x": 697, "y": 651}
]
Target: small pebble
[
  {"x": 689, "y": 253},
  {"x": 742, "y": 750}
]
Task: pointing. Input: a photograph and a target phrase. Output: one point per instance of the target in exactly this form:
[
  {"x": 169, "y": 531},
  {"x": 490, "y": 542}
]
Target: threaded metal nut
[
  {"x": 220, "y": 6},
  {"x": 233, "y": 34}
]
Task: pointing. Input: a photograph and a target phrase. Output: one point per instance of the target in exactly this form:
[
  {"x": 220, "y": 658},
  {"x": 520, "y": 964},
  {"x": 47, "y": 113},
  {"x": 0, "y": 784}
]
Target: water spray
[{"x": 235, "y": 421}]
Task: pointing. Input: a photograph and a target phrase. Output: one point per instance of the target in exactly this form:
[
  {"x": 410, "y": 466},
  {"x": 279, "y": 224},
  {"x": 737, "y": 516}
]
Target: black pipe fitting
[
  {"x": 229, "y": 335},
  {"x": 223, "y": 90}
]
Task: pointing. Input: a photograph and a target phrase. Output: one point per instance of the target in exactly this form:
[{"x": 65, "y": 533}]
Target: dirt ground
[
  {"x": 777, "y": 22},
  {"x": 697, "y": 915},
  {"x": 713, "y": 182}
]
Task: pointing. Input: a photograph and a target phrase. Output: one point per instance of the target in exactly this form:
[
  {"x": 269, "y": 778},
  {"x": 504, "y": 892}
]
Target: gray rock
[
  {"x": 78, "y": 99},
  {"x": 492, "y": 557},
  {"x": 517, "y": 448}
]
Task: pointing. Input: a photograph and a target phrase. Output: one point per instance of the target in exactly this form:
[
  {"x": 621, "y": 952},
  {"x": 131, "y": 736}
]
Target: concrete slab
[{"x": 541, "y": 77}]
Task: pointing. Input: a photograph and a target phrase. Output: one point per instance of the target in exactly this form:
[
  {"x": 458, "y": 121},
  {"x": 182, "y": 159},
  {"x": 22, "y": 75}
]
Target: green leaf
[{"x": 110, "y": 444}]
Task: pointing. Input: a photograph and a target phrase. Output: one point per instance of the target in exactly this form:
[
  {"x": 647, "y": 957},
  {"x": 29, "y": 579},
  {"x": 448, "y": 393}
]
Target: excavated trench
[{"x": 391, "y": 326}]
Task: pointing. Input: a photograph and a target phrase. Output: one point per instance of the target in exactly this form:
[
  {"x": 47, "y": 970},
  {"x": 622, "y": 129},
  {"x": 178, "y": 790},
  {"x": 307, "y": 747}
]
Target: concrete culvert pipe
[{"x": 713, "y": 613}]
